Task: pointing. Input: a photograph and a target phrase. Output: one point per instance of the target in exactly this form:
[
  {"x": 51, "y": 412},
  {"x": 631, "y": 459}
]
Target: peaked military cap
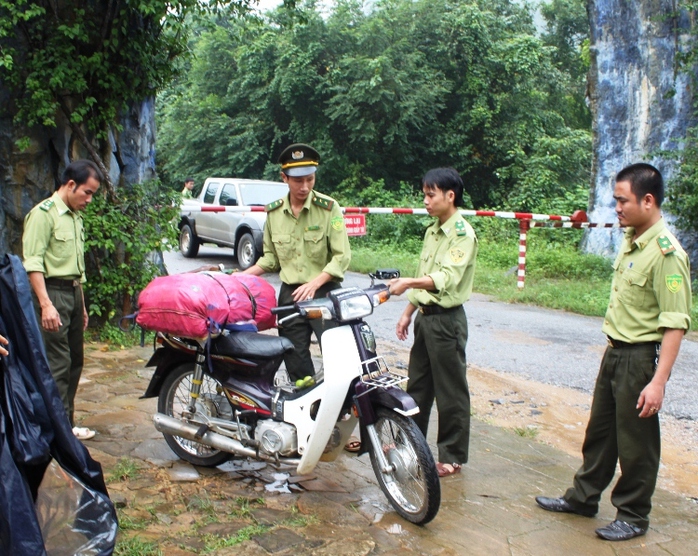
[{"x": 299, "y": 160}]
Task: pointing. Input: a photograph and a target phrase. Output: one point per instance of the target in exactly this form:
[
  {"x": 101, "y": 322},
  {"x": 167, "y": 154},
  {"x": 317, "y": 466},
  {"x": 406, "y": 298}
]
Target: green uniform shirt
[
  {"x": 448, "y": 257},
  {"x": 651, "y": 288},
  {"x": 187, "y": 194},
  {"x": 53, "y": 241},
  {"x": 301, "y": 248}
]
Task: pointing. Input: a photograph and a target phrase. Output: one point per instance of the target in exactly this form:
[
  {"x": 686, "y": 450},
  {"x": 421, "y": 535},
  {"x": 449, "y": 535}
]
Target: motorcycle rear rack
[{"x": 381, "y": 377}]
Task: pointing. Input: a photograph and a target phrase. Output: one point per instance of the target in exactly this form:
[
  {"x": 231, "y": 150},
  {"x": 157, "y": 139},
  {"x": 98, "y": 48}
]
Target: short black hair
[
  {"x": 80, "y": 171},
  {"x": 445, "y": 179},
  {"x": 187, "y": 180},
  {"x": 644, "y": 178}
]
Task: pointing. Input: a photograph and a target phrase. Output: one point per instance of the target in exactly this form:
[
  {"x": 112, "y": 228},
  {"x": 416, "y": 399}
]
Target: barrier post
[{"x": 524, "y": 226}]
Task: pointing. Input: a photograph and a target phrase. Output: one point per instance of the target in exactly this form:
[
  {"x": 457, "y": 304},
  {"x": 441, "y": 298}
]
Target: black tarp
[{"x": 71, "y": 508}]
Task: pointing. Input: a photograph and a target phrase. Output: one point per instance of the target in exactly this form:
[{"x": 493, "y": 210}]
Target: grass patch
[
  {"x": 526, "y": 432},
  {"x": 214, "y": 542},
  {"x": 134, "y": 546},
  {"x": 125, "y": 469}
]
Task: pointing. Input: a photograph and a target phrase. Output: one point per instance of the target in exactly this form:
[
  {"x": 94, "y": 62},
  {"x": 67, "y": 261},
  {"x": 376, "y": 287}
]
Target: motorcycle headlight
[{"x": 351, "y": 304}]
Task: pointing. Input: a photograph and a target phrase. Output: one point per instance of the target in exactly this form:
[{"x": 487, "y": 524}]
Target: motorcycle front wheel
[
  {"x": 412, "y": 483},
  {"x": 173, "y": 400}
]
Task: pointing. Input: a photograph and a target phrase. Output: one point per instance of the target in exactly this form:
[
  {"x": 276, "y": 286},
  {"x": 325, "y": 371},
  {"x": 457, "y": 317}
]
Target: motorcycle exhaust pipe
[{"x": 170, "y": 425}]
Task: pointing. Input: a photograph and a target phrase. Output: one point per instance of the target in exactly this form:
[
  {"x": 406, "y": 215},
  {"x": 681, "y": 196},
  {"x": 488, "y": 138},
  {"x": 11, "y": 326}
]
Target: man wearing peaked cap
[{"x": 306, "y": 242}]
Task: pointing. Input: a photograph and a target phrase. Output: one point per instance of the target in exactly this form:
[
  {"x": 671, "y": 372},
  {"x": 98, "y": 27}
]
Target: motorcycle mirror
[{"x": 387, "y": 273}]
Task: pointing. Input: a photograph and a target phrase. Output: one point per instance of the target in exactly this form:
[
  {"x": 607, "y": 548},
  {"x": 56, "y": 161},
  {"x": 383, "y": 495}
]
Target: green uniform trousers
[
  {"x": 616, "y": 433},
  {"x": 299, "y": 363},
  {"x": 65, "y": 347},
  {"x": 437, "y": 371}
]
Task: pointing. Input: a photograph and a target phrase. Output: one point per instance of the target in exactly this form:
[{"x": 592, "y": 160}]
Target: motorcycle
[{"x": 219, "y": 399}]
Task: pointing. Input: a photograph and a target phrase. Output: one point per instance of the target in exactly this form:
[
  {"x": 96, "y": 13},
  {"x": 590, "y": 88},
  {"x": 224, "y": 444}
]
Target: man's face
[
  {"x": 189, "y": 185},
  {"x": 79, "y": 196},
  {"x": 299, "y": 187},
  {"x": 630, "y": 210},
  {"x": 436, "y": 201}
]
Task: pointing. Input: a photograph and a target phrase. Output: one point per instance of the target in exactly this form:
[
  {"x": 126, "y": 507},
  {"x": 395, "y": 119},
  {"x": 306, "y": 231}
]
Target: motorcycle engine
[{"x": 275, "y": 437}]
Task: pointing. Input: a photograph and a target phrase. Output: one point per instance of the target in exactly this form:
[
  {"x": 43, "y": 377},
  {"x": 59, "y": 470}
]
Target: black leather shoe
[
  {"x": 561, "y": 505},
  {"x": 619, "y": 531}
]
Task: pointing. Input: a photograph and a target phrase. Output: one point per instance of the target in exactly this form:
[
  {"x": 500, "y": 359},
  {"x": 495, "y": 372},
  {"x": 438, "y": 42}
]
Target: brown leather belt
[
  {"x": 618, "y": 344},
  {"x": 437, "y": 309},
  {"x": 62, "y": 283}
]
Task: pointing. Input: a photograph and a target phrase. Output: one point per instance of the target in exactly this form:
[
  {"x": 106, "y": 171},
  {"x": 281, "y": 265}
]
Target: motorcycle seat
[{"x": 250, "y": 345}]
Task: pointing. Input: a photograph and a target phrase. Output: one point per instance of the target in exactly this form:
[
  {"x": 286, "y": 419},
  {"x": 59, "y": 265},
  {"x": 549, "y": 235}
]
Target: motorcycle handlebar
[{"x": 281, "y": 309}]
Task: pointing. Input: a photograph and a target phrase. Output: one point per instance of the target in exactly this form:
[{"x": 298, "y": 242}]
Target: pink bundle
[{"x": 196, "y": 305}]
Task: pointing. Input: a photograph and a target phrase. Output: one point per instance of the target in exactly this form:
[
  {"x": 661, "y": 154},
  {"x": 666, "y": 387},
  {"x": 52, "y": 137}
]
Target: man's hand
[
  {"x": 4, "y": 342},
  {"x": 403, "y": 326},
  {"x": 50, "y": 319},
  {"x": 85, "y": 319},
  {"x": 306, "y": 291},
  {"x": 398, "y": 286},
  {"x": 650, "y": 400}
]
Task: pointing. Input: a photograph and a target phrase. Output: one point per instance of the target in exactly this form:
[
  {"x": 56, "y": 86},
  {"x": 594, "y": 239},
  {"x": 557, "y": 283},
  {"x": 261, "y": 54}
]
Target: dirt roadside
[{"x": 558, "y": 417}]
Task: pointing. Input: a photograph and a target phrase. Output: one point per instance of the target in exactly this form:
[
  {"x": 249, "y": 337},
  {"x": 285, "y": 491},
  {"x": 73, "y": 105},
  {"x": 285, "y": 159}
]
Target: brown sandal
[
  {"x": 353, "y": 444},
  {"x": 446, "y": 469}
]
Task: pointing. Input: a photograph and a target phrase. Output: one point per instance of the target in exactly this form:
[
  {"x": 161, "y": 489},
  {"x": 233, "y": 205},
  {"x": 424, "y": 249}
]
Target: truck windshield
[{"x": 260, "y": 194}]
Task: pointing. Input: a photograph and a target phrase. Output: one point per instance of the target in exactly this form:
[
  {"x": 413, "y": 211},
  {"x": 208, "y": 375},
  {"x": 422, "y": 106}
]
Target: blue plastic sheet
[{"x": 53, "y": 499}]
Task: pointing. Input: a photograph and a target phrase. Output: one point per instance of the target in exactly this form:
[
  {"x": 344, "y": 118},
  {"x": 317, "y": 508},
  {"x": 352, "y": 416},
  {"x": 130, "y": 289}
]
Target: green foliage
[
  {"x": 682, "y": 191},
  {"x": 89, "y": 60},
  {"x": 386, "y": 94},
  {"x": 121, "y": 238}
]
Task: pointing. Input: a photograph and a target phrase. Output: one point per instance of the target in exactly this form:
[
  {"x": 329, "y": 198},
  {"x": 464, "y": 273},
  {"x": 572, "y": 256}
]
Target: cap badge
[{"x": 297, "y": 155}]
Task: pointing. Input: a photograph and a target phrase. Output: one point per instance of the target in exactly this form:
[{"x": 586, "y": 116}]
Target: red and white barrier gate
[{"x": 527, "y": 220}]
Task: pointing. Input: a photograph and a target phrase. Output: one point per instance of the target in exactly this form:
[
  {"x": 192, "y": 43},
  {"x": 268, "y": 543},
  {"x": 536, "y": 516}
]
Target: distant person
[
  {"x": 443, "y": 282},
  {"x": 306, "y": 242},
  {"x": 647, "y": 317},
  {"x": 188, "y": 188},
  {"x": 54, "y": 258}
]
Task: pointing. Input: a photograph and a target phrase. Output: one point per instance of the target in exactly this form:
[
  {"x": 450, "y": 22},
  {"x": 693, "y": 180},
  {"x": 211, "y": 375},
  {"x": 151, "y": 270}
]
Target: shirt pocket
[
  {"x": 283, "y": 246},
  {"x": 63, "y": 245},
  {"x": 632, "y": 288},
  {"x": 315, "y": 244}
]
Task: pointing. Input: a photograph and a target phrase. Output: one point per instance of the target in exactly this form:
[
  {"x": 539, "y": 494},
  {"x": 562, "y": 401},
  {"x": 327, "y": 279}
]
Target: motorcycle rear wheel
[
  {"x": 173, "y": 400},
  {"x": 412, "y": 487}
]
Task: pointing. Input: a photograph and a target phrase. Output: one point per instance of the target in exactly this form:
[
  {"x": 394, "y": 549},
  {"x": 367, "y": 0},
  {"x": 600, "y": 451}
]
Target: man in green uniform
[
  {"x": 188, "y": 188},
  {"x": 647, "y": 317},
  {"x": 306, "y": 242},
  {"x": 54, "y": 258},
  {"x": 443, "y": 282}
]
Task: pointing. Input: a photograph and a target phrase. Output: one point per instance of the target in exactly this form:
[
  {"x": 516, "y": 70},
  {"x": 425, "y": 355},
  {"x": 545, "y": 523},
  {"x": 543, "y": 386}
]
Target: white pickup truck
[{"x": 240, "y": 230}]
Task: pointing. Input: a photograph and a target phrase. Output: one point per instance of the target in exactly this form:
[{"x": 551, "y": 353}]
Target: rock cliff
[
  {"x": 30, "y": 175},
  {"x": 640, "y": 104}
]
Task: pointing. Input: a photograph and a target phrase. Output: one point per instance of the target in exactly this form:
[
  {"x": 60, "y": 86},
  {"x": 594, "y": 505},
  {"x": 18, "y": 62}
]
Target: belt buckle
[
  {"x": 610, "y": 342},
  {"x": 421, "y": 309},
  {"x": 76, "y": 283}
]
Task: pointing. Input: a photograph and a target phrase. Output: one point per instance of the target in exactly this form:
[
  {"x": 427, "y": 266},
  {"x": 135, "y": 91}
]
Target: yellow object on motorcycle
[{"x": 306, "y": 382}]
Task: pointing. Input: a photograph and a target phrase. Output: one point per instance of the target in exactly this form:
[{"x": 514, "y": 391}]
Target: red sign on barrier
[{"x": 355, "y": 224}]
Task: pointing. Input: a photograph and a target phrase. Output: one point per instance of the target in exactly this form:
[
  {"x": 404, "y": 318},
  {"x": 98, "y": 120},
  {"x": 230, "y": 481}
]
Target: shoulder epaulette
[
  {"x": 323, "y": 202},
  {"x": 461, "y": 230},
  {"x": 47, "y": 204},
  {"x": 274, "y": 205},
  {"x": 665, "y": 245}
]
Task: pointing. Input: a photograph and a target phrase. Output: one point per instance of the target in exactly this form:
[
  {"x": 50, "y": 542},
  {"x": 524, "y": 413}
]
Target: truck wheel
[
  {"x": 246, "y": 252},
  {"x": 188, "y": 242}
]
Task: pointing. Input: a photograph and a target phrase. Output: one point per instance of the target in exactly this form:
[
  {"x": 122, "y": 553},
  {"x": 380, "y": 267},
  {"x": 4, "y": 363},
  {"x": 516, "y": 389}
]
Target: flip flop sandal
[
  {"x": 353, "y": 444},
  {"x": 446, "y": 469}
]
